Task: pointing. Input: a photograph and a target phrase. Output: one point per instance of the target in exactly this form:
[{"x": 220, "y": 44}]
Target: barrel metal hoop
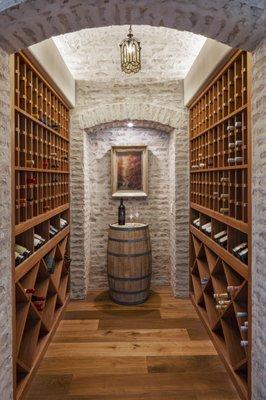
[
  {"x": 146, "y": 239},
  {"x": 139, "y": 278},
  {"x": 126, "y": 292},
  {"x": 136, "y": 228},
  {"x": 128, "y": 255}
]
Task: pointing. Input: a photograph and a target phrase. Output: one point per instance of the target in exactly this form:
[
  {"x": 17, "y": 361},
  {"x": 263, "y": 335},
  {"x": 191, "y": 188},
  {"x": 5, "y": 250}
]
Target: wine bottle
[
  {"x": 196, "y": 222},
  {"x": 63, "y": 223},
  {"x": 224, "y": 302},
  {"x": 224, "y": 195},
  {"x": 238, "y": 159},
  {"x": 22, "y": 250},
  {"x": 221, "y": 296},
  {"x": 50, "y": 263},
  {"x": 30, "y": 163},
  {"x": 219, "y": 235},
  {"x": 19, "y": 258},
  {"x": 207, "y": 227},
  {"x": 31, "y": 181},
  {"x": 244, "y": 343},
  {"x": 238, "y": 124},
  {"x": 243, "y": 255},
  {"x": 244, "y": 328},
  {"x": 220, "y": 307},
  {"x": 231, "y": 160},
  {"x": 238, "y": 143},
  {"x": 224, "y": 179},
  {"x": 239, "y": 247},
  {"x": 29, "y": 290},
  {"x": 201, "y": 165},
  {"x": 230, "y": 128},
  {"x": 231, "y": 145},
  {"x": 223, "y": 241},
  {"x": 241, "y": 314},
  {"x": 204, "y": 280},
  {"x": 121, "y": 213}
]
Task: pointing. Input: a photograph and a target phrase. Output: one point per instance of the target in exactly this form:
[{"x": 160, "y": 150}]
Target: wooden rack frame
[
  {"x": 220, "y": 196},
  {"x": 40, "y": 154}
]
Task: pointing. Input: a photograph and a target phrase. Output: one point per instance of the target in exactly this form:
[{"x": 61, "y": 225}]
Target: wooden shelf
[
  {"x": 41, "y": 215},
  {"x": 220, "y": 215},
  {"x": 25, "y": 226},
  {"x": 241, "y": 226}
]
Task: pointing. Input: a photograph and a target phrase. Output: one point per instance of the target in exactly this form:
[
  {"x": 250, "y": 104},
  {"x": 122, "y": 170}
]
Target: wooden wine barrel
[{"x": 129, "y": 263}]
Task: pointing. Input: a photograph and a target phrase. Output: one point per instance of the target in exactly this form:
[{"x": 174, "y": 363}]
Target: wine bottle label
[
  {"x": 224, "y": 195},
  {"x": 238, "y": 159},
  {"x": 238, "y": 124},
  {"x": 224, "y": 179},
  {"x": 244, "y": 343},
  {"x": 230, "y": 160},
  {"x": 201, "y": 165},
  {"x": 231, "y": 145},
  {"x": 238, "y": 143}
]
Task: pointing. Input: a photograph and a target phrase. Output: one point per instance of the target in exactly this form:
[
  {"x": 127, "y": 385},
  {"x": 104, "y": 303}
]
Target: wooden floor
[{"x": 157, "y": 351}]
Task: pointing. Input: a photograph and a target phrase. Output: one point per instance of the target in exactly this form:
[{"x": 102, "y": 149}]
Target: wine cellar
[
  {"x": 220, "y": 216},
  {"x": 41, "y": 214}
]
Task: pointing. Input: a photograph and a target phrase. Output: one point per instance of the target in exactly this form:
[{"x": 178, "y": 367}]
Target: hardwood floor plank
[
  {"x": 130, "y": 349},
  {"x": 174, "y": 364},
  {"x": 93, "y": 365},
  {"x": 122, "y": 335},
  {"x": 78, "y": 325},
  {"x": 116, "y": 315}
]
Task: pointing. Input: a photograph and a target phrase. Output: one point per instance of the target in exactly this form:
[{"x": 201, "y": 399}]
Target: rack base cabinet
[
  {"x": 220, "y": 237},
  {"x": 41, "y": 215}
]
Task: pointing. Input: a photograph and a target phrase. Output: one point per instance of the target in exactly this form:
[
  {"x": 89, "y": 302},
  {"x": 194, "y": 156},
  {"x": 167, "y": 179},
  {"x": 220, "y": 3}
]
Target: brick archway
[
  {"x": 236, "y": 23},
  {"x": 156, "y": 117}
]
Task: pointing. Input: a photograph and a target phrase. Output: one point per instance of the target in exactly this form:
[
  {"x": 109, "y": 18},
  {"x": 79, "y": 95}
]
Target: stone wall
[
  {"x": 5, "y": 233},
  {"x": 97, "y": 105},
  {"x": 153, "y": 210},
  {"x": 259, "y": 224}
]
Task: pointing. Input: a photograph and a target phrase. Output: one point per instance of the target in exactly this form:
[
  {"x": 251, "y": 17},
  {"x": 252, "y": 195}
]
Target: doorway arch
[{"x": 236, "y": 23}]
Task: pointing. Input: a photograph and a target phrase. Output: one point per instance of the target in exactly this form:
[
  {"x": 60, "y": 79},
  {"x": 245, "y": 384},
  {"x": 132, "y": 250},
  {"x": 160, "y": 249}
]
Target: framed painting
[{"x": 129, "y": 171}]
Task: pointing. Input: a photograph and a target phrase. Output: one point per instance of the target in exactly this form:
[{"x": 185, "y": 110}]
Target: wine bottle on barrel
[{"x": 121, "y": 213}]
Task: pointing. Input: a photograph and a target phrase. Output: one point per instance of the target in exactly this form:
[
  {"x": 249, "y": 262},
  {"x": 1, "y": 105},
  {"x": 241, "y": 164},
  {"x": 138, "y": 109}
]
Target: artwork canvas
[{"x": 129, "y": 165}]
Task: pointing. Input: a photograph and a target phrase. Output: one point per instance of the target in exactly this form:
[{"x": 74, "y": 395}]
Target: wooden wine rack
[
  {"x": 220, "y": 159},
  {"x": 40, "y": 198}
]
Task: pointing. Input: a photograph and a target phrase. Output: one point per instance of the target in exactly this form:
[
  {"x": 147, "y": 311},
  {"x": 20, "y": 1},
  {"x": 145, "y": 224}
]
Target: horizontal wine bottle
[
  {"x": 219, "y": 235},
  {"x": 244, "y": 343},
  {"x": 221, "y": 296},
  {"x": 241, "y": 314}
]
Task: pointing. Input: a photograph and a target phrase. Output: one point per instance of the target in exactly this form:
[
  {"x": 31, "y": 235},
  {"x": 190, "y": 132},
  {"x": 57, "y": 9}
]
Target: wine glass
[
  {"x": 131, "y": 215},
  {"x": 137, "y": 214}
]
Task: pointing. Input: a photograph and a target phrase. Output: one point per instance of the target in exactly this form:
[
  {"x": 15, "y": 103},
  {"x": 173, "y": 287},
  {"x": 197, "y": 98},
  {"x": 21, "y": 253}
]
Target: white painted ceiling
[{"x": 93, "y": 54}]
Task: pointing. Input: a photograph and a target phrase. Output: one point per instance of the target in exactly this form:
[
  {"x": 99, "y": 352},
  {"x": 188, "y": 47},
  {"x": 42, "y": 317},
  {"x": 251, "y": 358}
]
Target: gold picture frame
[{"x": 129, "y": 171}]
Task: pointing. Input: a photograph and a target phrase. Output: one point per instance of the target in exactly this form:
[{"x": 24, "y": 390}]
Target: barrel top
[{"x": 129, "y": 226}]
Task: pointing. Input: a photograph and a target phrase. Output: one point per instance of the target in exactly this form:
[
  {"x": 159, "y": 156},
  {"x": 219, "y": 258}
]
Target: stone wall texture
[
  {"x": 153, "y": 210},
  {"x": 95, "y": 109},
  {"x": 5, "y": 233},
  {"x": 259, "y": 224},
  {"x": 238, "y": 23}
]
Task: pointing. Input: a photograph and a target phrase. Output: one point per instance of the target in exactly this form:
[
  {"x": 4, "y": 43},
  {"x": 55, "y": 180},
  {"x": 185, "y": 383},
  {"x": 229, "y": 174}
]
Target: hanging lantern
[{"x": 130, "y": 54}]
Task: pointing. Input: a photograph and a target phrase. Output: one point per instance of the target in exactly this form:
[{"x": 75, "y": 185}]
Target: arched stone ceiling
[
  {"x": 238, "y": 23},
  {"x": 94, "y": 54}
]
